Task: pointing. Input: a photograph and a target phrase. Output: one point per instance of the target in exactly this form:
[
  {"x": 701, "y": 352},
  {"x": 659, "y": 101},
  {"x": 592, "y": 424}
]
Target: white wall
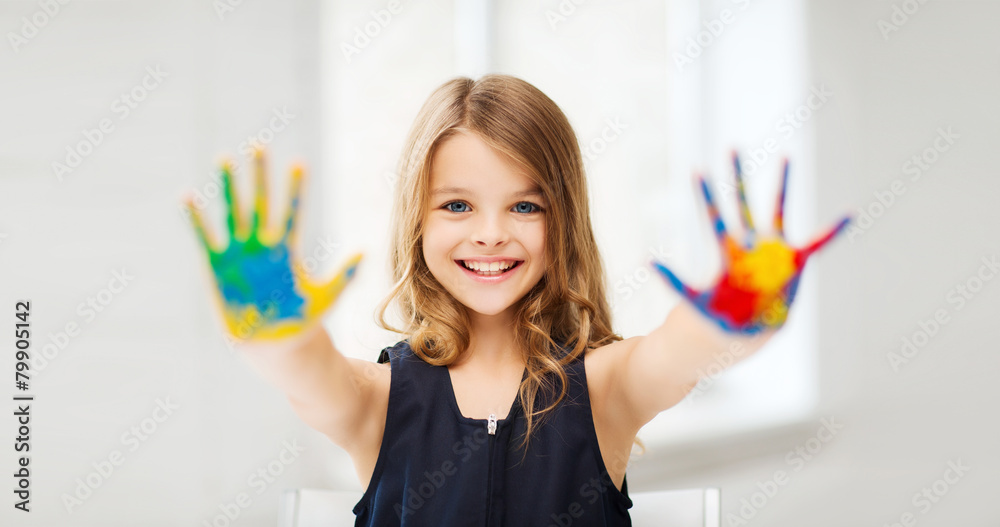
[
  {"x": 900, "y": 428},
  {"x": 119, "y": 210},
  {"x": 159, "y": 337}
]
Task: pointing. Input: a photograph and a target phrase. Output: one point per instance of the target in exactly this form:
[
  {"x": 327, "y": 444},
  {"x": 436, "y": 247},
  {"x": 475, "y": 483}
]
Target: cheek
[
  {"x": 538, "y": 237},
  {"x": 537, "y": 247},
  {"x": 438, "y": 240}
]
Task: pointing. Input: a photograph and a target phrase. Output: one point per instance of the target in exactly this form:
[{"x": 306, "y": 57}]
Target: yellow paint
[
  {"x": 252, "y": 325},
  {"x": 765, "y": 269}
]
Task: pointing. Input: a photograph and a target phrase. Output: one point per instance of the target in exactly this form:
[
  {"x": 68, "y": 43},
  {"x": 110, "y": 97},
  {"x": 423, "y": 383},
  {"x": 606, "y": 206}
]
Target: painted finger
[
  {"x": 688, "y": 292},
  {"x": 779, "y": 209},
  {"x": 330, "y": 291},
  {"x": 745, "y": 216},
  {"x": 260, "y": 192},
  {"x": 291, "y": 216},
  {"x": 824, "y": 239},
  {"x": 713, "y": 212},
  {"x": 233, "y": 215},
  {"x": 199, "y": 226}
]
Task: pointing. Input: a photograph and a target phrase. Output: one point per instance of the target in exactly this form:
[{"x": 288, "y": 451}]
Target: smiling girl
[{"x": 510, "y": 400}]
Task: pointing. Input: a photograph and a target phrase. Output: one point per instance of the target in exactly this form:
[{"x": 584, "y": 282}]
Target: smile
[{"x": 489, "y": 273}]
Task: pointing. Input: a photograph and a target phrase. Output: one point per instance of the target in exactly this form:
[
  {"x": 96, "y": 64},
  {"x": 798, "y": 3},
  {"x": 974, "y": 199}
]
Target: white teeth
[{"x": 488, "y": 267}]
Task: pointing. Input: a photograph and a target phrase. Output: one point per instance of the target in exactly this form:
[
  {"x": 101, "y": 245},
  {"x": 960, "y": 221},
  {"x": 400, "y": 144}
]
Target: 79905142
[
  {"x": 22, "y": 334},
  {"x": 22, "y": 343}
]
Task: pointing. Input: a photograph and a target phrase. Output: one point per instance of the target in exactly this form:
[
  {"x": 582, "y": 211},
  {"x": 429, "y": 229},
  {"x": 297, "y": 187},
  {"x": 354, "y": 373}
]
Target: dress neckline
[{"x": 453, "y": 399}]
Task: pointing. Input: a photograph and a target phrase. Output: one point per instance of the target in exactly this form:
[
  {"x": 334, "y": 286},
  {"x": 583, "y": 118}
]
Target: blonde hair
[{"x": 568, "y": 304}]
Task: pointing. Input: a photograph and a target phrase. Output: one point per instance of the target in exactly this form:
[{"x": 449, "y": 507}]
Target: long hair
[{"x": 568, "y": 306}]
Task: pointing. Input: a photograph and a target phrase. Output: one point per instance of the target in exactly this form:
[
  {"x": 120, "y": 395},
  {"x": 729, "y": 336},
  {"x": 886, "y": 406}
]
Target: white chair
[
  {"x": 677, "y": 508},
  {"x": 665, "y": 508}
]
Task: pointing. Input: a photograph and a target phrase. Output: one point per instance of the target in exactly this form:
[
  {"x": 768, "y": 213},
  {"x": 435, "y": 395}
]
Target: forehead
[{"x": 466, "y": 162}]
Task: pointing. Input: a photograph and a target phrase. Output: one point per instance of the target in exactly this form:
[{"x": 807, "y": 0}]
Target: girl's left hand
[{"x": 760, "y": 277}]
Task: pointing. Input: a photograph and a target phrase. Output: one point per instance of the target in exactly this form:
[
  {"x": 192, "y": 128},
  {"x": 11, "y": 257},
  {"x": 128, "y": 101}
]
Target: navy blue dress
[{"x": 437, "y": 468}]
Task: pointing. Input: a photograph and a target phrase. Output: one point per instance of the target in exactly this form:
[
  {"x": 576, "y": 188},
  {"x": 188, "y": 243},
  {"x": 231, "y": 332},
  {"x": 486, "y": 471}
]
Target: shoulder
[
  {"x": 392, "y": 352},
  {"x": 603, "y": 364},
  {"x": 398, "y": 356},
  {"x": 373, "y": 379}
]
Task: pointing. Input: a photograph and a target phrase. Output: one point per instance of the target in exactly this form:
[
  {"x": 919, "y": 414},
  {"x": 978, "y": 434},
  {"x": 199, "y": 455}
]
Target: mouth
[{"x": 486, "y": 270}]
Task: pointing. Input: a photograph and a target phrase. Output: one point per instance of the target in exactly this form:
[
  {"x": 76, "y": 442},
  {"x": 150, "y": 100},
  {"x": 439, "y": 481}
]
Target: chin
[{"x": 488, "y": 308}]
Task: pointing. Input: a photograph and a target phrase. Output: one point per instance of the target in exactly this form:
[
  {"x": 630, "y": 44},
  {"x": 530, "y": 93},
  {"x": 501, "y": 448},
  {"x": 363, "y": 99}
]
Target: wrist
[{"x": 286, "y": 342}]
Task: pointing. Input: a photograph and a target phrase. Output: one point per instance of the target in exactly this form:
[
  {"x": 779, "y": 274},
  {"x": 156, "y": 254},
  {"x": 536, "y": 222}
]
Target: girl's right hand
[{"x": 261, "y": 289}]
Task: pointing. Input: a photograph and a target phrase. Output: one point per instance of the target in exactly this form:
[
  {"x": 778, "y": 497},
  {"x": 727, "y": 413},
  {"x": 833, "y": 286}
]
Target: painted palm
[
  {"x": 262, "y": 292},
  {"x": 759, "y": 277}
]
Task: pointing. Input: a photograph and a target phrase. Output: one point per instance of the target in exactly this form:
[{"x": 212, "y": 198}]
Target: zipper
[{"x": 491, "y": 429}]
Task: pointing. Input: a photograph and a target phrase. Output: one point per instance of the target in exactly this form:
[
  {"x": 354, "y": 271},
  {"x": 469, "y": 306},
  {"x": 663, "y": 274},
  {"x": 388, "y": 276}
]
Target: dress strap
[{"x": 396, "y": 349}]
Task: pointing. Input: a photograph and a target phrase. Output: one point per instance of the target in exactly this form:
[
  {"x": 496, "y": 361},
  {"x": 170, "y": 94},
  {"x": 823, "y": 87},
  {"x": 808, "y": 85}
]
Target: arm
[
  {"x": 658, "y": 370},
  {"x": 330, "y": 392},
  {"x": 722, "y": 325},
  {"x": 273, "y": 311}
]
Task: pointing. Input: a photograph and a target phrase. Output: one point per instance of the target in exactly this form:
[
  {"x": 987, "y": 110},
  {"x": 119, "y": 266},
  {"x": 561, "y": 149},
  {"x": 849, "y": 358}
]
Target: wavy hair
[{"x": 568, "y": 306}]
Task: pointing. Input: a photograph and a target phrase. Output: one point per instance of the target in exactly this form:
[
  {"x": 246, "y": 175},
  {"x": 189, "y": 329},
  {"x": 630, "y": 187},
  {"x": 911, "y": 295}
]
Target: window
[
  {"x": 738, "y": 80},
  {"x": 654, "y": 90}
]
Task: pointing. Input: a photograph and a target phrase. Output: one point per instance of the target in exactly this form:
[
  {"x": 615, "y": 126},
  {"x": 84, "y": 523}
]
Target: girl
[{"x": 510, "y": 401}]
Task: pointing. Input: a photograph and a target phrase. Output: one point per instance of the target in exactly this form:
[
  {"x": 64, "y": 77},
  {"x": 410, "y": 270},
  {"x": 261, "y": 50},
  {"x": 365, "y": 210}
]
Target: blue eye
[
  {"x": 530, "y": 210},
  {"x": 448, "y": 206},
  {"x": 524, "y": 207}
]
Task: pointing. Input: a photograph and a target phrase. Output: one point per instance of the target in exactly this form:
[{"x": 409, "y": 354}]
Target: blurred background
[{"x": 874, "y": 403}]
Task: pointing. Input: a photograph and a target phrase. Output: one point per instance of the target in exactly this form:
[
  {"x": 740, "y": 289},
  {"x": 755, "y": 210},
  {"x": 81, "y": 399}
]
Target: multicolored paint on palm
[
  {"x": 263, "y": 294},
  {"x": 760, "y": 276}
]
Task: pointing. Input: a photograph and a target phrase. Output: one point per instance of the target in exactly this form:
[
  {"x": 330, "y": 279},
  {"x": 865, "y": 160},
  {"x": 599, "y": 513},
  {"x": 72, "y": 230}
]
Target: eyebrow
[{"x": 459, "y": 190}]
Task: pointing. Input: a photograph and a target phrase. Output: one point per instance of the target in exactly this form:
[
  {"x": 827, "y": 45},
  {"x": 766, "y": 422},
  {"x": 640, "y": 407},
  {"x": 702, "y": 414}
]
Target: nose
[{"x": 491, "y": 231}]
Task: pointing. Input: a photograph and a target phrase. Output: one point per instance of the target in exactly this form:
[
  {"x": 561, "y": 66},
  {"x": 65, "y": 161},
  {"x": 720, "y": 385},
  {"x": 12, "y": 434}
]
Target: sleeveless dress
[{"x": 438, "y": 468}]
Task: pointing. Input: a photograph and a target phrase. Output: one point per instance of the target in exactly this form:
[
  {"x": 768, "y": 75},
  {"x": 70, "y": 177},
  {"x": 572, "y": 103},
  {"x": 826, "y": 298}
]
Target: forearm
[
  {"x": 687, "y": 347},
  {"x": 309, "y": 369},
  {"x": 266, "y": 296},
  {"x": 696, "y": 346}
]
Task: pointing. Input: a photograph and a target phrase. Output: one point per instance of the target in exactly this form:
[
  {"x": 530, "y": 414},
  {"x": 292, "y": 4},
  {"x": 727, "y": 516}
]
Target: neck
[{"x": 491, "y": 343}]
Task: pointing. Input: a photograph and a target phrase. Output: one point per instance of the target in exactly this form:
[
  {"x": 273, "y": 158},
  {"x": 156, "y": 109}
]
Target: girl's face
[{"x": 483, "y": 211}]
